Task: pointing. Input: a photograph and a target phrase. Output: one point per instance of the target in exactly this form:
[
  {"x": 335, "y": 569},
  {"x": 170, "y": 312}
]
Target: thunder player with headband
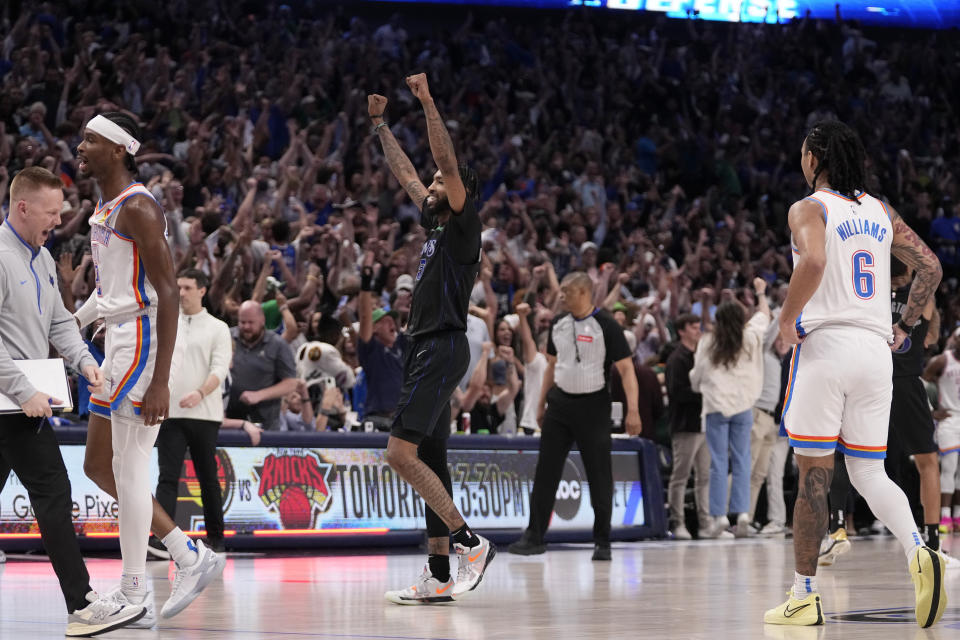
[
  {"x": 136, "y": 294},
  {"x": 837, "y": 312},
  {"x": 438, "y": 354}
]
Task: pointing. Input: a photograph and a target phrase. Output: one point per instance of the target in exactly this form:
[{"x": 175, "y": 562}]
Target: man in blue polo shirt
[{"x": 381, "y": 349}]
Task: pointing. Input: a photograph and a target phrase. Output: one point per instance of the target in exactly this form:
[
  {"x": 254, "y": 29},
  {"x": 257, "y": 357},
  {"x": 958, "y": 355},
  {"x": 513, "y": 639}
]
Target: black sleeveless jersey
[
  {"x": 908, "y": 360},
  {"x": 449, "y": 264}
]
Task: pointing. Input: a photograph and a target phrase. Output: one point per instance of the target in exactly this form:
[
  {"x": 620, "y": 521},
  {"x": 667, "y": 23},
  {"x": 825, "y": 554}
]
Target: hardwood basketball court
[{"x": 695, "y": 590}]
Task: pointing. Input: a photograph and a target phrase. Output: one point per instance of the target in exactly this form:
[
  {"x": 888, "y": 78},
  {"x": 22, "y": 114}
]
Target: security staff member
[
  {"x": 32, "y": 316},
  {"x": 583, "y": 344}
]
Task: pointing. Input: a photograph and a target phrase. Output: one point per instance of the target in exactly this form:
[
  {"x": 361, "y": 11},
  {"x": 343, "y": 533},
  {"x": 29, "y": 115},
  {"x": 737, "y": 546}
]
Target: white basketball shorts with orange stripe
[
  {"x": 839, "y": 393},
  {"x": 948, "y": 435},
  {"x": 130, "y": 353}
]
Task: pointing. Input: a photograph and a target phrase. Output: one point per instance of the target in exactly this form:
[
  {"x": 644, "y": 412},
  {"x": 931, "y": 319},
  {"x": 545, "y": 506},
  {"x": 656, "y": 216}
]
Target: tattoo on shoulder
[{"x": 907, "y": 244}]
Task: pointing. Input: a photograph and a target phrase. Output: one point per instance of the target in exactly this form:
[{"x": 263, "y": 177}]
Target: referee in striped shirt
[{"x": 582, "y": 345}]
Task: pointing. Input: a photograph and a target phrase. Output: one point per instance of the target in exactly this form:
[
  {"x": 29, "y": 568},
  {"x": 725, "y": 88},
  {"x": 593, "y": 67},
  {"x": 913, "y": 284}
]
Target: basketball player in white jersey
[
  {"x": 136, "y": 293},
  {"x": 837, "y": 313},
  {"x": 944, "y": 370}
]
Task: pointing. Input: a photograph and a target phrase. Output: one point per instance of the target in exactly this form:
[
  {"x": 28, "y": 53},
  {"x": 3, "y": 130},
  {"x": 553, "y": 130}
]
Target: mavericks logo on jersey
[{"x": 429, "y": 248}]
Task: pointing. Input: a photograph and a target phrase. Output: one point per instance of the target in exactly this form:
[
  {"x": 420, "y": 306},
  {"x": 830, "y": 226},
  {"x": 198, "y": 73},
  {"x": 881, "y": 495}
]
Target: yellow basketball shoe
[
  {"x": 803, "y": 613},
  {"x": 927, "y": 569}
]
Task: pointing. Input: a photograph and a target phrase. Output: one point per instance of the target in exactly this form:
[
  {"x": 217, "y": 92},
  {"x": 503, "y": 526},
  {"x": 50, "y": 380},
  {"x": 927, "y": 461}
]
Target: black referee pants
[
  {"x": 569, "y": 418},
  {"x": 34, "y": 455},
  {"x": 176, "y": 434}
]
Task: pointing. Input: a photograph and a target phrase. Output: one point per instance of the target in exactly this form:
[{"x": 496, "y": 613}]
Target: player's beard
[{"x": 439, "y": 208}]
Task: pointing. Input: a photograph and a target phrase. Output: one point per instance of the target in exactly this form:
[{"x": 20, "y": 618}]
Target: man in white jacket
[{"x": 196, "y": 408}]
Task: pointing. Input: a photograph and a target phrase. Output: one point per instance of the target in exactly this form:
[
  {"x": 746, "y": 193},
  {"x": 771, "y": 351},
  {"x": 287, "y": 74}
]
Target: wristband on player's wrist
[{"x": 903, "y": 326}]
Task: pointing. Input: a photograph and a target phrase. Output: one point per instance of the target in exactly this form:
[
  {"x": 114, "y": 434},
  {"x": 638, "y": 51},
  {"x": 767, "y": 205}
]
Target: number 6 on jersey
[{"x": 862, "y": 276}]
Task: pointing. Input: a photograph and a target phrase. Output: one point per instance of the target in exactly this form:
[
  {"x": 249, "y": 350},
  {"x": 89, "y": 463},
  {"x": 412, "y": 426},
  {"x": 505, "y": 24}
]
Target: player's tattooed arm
[
  {"x": 913, "y": 252},
  {"x": 403, "y": 170},
  {"x": 441, "y": 145}
]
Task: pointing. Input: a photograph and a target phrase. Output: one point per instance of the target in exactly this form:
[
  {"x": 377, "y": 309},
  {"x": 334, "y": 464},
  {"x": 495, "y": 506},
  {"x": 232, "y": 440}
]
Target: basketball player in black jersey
[
  {"x": 438, "y": 355},
  {"x": 911, "y": 423}
]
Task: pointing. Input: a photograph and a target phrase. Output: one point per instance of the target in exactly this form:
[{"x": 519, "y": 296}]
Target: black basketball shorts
[
  {"x": 433, "y": 367},
  {"x": 911, "y": 422}
]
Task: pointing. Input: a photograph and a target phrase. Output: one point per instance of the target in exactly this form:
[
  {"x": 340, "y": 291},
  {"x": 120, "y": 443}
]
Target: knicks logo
[
  {"x": 295, "y": 486},
  {"x": 905, "y": 347}
]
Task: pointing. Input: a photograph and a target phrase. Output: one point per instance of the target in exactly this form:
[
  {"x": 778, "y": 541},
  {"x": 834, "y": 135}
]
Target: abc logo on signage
[{"x": 569, "y": 492}]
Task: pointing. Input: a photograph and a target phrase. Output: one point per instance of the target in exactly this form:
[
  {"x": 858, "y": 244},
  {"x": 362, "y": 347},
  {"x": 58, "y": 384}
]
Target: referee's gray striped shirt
[{"x": 599, "y": 342}]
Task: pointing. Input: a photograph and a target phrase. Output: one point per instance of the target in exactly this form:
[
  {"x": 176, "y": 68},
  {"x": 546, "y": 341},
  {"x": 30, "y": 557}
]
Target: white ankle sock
[
  {"x": 134, "y": 586},
  {"x": 803, "y": 586},
  {"x": 956, "y": 511},
  {"x": 182, "y": 549},
  {"x": 944, "y": 512}
]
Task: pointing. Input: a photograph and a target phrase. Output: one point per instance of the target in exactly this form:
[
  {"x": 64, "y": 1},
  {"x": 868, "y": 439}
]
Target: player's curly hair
[
  {"x": 727, "y": 334},
  {"x": 839, "y": 153}
]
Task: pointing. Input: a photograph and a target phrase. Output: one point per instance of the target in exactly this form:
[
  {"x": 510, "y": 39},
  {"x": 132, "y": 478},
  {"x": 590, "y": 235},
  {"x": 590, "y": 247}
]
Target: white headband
[{"x": 114, "y": 133}]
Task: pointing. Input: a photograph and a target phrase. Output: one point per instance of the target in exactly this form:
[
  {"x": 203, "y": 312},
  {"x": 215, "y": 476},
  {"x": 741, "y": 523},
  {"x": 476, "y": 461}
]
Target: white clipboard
[{"x": 48, "y": 376}]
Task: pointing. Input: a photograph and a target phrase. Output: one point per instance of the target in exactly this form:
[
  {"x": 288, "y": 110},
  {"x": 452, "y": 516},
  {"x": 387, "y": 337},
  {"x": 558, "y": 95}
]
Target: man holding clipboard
[{"x": 32, "y": 316}]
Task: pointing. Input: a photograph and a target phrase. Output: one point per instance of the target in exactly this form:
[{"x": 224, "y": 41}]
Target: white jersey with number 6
[
  {"x": 122, "y": 284},
  {"x": 855, "y": 288}
]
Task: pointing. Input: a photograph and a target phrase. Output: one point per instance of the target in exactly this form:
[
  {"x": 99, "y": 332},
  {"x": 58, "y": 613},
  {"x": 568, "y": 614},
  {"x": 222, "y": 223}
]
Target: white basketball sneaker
[
  {"x": 950, "y": 561},
  {"x": 833, "y": 546},
  {"x": 100, "y": 616},
  {"x": 473, "y": 563},
  {"x": 192, "y": 580},
  {"x": 426, "y": 590},
  {"x": 149, "y": 620}
]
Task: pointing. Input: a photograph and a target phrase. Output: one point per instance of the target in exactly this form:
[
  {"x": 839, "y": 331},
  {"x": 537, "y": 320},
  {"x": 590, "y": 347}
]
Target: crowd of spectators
[{"x": 659, "y": 156}]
